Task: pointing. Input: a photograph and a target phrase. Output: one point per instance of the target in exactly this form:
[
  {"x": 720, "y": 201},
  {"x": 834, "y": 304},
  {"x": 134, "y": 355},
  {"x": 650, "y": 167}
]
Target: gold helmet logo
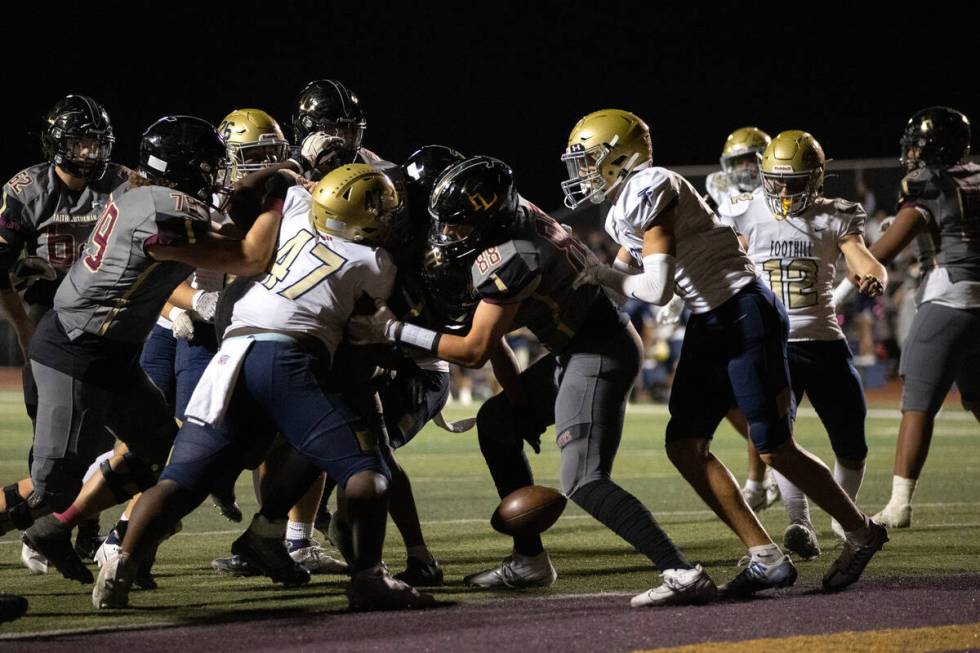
[{"x": 479, "y": 202}]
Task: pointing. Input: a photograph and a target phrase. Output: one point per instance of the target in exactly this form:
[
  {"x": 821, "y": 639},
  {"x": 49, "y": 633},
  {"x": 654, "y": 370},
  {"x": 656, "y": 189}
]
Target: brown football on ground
[{"x": 528, "y": 511}]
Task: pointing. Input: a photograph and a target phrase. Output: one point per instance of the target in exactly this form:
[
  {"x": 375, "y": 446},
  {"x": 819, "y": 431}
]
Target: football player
[
  {"x": 47, "y": 213},
  {"x": 939, "y": 208},
  {"x": 152, "y": 233},
  {"x": 270, "y": 377},
  {"x": 794, "y": 235},
  {"x": 734, "y": 350},
  {"x": 522, "y": 265}
]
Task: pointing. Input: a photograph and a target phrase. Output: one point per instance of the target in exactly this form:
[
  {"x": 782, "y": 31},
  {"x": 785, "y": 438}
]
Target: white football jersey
[
  {"x": 727, "y": 196},
  {"x": 315, "y": 279},
  {"x": 710, "y": 264},
  {"x": 797, "y": 258}
]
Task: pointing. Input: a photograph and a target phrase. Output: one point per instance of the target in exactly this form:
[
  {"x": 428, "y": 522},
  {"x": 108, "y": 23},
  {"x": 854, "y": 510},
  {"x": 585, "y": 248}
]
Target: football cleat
[
  {"x": 228, "y": 507},
  {"x": 801, "y": 539},
  {"x": 375, "y": 589},
  {"x": 316, "y": 560},
  {"x": 847, "y": 568},
  {"x": 772, "y": 491},
  {"x": 680, "y": 587},
  {"x": 88, "y": 540},
  {"x": 35, "y": 562},
  {"x": 894, "y": 516},
  {"x": 420, "y": 573},
  {"x": 53, "y": 541},
  {"x": 234, "y": 566},
  {"x": 757, "y": 576},
  {"x": 755, "y": 498},
  {"x": 268, "y": 555},
  {"x": 115, "y": 580},
  {"x": 516, "y": 572}
]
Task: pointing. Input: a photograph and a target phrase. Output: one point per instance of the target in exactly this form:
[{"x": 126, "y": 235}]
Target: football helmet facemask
[
  {"x": 603, "y": 149},
  {"x": 355, "y": 202},
  {"x": 937, "y": 136},
  {"x": 792, "y": 172},
  {"x": 740, "y": 157},
  {"x": 449, "y": 287},
  {"x": 254, "y": 141},
  {"x": 326, "y": 105},
  {"x": 185, "y": 153},
  {"x": 473, "y": 205},
  {"x": 78, "y": 137}
]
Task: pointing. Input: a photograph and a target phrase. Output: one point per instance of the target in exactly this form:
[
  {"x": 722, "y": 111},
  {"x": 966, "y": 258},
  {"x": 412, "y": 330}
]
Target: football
[{"x": 528, "y": 511}]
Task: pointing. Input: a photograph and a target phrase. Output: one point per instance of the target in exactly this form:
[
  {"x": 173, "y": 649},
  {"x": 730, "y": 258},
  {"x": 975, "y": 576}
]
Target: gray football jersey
[
  {"x": 537, "y": 268},
  {"x": 40, "y": 213},
  {"x": 115, "y": 289}
]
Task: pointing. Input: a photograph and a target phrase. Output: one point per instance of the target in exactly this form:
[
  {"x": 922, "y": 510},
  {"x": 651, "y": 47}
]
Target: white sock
[
  {"x": 849, "y": 479},
  {"x": 767, "y": 554},
  {"x": 420, "y": 552},
  {"x": 297, "y": 530},
  {"x": 754, "y": 486},
  {"x": 902, "y": 489},
  {"x": 797, "y": 508}
]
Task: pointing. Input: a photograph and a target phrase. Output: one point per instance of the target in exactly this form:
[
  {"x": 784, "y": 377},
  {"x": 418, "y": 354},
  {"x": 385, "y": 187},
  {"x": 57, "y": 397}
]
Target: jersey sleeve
[
  {"x": 852, "y": 218},
  {"x": 661, "y": 191},
  {"x": 508, "y": 273},
  {"x": 920, "y": 190},
  {"x": 177, "y": 219},
  {"x": 15, "y": 228}
]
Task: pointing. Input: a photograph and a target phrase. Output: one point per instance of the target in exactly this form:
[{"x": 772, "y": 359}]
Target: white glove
[
  {"x": 183, "y": 325},
  {"x": 319, "y": 146},
  {"x": 671, "y": 313},
  {"x": 459, "y": 426},
  {"x": 205, "y": 303},
  {"x": 379, "y": 327}
]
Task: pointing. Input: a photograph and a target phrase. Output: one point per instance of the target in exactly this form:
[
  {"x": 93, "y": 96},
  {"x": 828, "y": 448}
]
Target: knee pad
[
  {"x": 577, "y": 467},
  {"x": 17, "y": 515},
  {"x": 139, "y": 475}
]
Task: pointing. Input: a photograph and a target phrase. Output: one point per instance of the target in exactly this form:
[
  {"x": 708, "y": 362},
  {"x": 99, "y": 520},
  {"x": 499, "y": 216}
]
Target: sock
[
  {"x": 902, "y": 489},
  {"x": 849, "y": 479},
  {"x": 754, "y": 486},
  {"x": 69, "y": 517},
  {"x": 264, "y": 527},
  {"x": 767, "y": 554},
  {"x": 627, "y": 517},
  {"x": 420, "y": 552},
  {"x": 299, "y": 531},
  {"x": 797, "y": 508}
]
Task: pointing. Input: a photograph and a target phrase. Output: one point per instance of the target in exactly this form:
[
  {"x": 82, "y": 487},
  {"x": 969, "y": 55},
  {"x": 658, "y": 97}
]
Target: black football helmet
[
  {"x": 77, "y": 137},
  {"x": 326, "y": 105},
  {"x": 937, "y": 136},
  {"x": 185, "y": 153},
  {"x": 449, "y": 292},
  {"x": 473, "y": 205},
  {"x": 419, "y": 173}
]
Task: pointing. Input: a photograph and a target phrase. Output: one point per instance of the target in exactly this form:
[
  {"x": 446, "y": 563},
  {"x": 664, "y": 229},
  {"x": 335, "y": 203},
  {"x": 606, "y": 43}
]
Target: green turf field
[{"x": 456, "y": 497}]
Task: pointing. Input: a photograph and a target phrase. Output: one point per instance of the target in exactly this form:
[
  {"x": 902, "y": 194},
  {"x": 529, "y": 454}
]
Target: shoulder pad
[
  {"x": 506, "y": 273},
  {"x": 847, "y": 207},
  {"x": 920, "y": 184}
]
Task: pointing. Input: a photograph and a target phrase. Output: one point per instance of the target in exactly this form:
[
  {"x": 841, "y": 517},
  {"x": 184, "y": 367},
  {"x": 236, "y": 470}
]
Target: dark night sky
[{"x": 507, "y": 79}]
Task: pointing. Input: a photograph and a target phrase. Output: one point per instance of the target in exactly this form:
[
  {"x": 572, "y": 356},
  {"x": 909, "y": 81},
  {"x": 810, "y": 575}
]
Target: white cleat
[
  {"x": 316, "y": 560},
  {"x": 114, "y": 582},
  {"x": 107, "y": 552},
  {"x": 376, "y": 589},
  {"x": 515, "y": 572},
  {"x": 894, "y": 516},
  {"x": 680, "y": 587},
  {"x": 35, "y": 562},
  {"x": 772, "y": 491},
  {"x": 755, "y": 498},
  {"x": 801, "y": 539}
]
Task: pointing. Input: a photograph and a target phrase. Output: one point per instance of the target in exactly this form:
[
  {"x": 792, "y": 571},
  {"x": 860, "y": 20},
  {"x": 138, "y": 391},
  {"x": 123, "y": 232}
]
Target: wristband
[
  {"x": 174, "y": 313},
  {"x": 417, "y": 336}
]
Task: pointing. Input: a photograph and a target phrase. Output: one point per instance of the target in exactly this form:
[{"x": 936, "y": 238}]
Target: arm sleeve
[{"x": 654, "y": 285}]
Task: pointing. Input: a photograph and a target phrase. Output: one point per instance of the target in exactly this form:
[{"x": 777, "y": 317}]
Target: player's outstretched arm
[
  {"x": 866, "y": 272},
  {"x": 906, "y": 226}
]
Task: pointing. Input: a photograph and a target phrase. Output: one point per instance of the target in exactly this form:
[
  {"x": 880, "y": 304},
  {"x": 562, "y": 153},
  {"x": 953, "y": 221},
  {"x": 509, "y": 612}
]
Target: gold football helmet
[
  {"x": 603, "y": 149},
  {"x": 739, "y": 157},
  {"x": 254, "y": 141},
  {"x": 355, "y": 202},
  {"x": 792, "y": 172}
]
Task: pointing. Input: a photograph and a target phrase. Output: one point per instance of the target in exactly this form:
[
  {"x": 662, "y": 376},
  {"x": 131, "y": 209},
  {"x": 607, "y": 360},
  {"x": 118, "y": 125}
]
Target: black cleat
[
  {"x": 228, "y": 507},
  {"x": 234, "y": 566},
  {"x": 12, "y": 607},
  {"x": 757, "y": 576},
  {"x": 421, "y": 574},
  {"x": 849, "y": 566},
  {"x": 269, "y": 556},
  {"x": 52, "y": 540}
]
